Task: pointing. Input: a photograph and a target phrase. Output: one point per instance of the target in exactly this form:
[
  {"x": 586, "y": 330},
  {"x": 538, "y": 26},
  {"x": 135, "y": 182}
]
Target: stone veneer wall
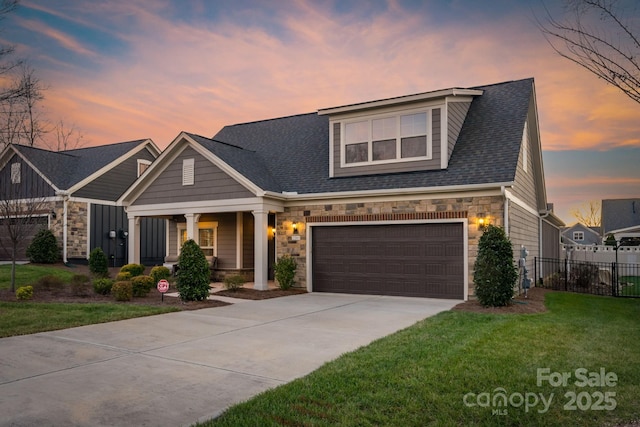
[
  {"x": 491, "y": 207},
  {"x": 77, "y": 218}
]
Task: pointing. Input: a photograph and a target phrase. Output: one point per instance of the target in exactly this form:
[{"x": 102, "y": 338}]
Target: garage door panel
[{"x": 406, "y": 259}]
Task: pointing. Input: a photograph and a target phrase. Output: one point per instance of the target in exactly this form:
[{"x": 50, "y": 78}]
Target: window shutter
[{"x": 188, "y": 172}]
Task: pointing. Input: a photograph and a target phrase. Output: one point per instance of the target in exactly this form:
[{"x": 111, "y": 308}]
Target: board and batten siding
[
  {"x": 31, "y": 183},
  {"x": 210, "y": 183},
  {"x": 400, "y": 166},
  {"x": 457, "y": 111},
  {"x": 111, "y": 185}
]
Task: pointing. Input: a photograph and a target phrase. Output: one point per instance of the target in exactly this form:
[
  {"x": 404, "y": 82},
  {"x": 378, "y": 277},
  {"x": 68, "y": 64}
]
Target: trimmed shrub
[
  {"x": 142, "y": 285},
  {"x": 193, "y": 273},
  {"x": 102, "y": 286},
  {"x": 49, "y": 283},
  {"x": 98, "y": 263},
  {"x": 123, "y": 276},
  {"x": 285, "y": 271},
  {"x": 133, "y": 269},
  {"x": 122, "y": 291},
  {"x": 495, "y": 273},
  {"x": 234, "y": 282},
  {"x": 160, "y": 272},
  {"x": 79, "y": 285},
  {"x": 24, "y": 293},
  {"x": 44, "y": 248}
]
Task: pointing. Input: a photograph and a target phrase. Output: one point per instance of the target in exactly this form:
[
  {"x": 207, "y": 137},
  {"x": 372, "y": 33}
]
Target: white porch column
[
  {"x": 133, "y": 240},
  {"x": 261, "y": 263},
  {"x": 192, "y": 226}
]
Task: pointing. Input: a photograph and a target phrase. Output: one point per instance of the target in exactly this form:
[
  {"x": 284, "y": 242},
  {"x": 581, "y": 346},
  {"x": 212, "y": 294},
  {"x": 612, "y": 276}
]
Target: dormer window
[{"x": 390, "y": 138}]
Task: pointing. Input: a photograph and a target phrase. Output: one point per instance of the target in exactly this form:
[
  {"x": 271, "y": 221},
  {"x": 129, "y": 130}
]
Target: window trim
[
  {"x": 182, "y": 227},
  {"x": 578, "y": 236},
  {"x": 397, "y": 115}
]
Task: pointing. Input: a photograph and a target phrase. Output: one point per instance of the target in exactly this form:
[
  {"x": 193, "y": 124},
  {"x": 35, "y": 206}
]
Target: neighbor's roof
[
  {"x": 620, "y": 214},
  {"x": 292, "y": 153},
  {"x": 66, "y": 168}
]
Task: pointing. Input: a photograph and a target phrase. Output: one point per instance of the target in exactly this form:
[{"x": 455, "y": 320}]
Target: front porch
[{"x": 237, "y": 241}]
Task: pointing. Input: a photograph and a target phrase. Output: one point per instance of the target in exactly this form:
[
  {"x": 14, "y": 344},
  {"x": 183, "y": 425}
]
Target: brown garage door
[{"x": 422, "y": 260}]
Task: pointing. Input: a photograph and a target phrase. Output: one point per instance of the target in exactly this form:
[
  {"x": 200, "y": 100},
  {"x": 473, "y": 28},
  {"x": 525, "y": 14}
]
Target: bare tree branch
[
  {"x": 599, "y": 38},
  {"x": 589, "y": 213}
]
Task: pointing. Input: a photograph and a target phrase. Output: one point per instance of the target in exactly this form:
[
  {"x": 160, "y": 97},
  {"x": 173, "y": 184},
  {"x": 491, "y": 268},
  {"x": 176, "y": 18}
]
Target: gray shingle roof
[
  {"x": 620, "y": 213},
  {"x": 66, "y": 168},
  {"x": 292, "y": 153}
]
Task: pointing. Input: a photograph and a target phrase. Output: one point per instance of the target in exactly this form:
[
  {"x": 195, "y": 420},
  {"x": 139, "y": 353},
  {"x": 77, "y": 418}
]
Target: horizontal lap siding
[{"x": 211, "y": 183}]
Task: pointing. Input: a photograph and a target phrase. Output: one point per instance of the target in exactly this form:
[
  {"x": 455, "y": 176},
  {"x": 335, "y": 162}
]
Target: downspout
[
  {"x": 503, "y": 191},
  {"x": 65, "y": 201}
]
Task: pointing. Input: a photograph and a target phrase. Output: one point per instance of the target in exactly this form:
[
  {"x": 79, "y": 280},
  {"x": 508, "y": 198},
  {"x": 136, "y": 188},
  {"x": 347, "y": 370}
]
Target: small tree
[
  {"x": 495, "y": 273},
  {"x": 98, "y": 263},
  {"x": 193, "y": 273},
  {"x": 44, "y": 248}
]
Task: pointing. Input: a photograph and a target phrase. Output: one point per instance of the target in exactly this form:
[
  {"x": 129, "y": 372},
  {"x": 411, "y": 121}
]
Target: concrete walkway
[{"x": 175, "y": 369}]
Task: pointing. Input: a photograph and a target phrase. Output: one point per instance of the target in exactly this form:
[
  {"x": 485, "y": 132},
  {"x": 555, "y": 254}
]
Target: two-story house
[
  {"x": 621, "y": 218},
  {"x": 381, "y": 197},
  {"x": 74, "y": 193}
]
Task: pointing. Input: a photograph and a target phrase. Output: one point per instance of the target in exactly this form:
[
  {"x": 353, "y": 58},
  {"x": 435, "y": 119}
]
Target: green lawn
[
  {"x": 27, "y": 274},
  {"x": 421, "y": 375},
  {"x": 632, "y": 290},
  {"x": 20, "y": 318}
]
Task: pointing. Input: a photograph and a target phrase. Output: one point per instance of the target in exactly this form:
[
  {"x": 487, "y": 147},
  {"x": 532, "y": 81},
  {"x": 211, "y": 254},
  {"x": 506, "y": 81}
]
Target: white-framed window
[
  {"x": 188, "y": 171},
  {"x": 578, "y": 236},
  {"x": 387, "y": 138},
  {"x": 143, "y": 165},
  {"x": 207, "y": 237},
  {"x": 16, "y": 177}
]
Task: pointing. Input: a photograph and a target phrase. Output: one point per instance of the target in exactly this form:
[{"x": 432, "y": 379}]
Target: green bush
[
  {"x": 44, "y": 248},
  {"x": 102, "y": 286},
  {"x": 193, "y": 273},
  {"x": 123, "y": 276},
  {"x": 285, "y": 271},
  {"x": 160, "y": 272},
  {"x": 233, "y": 283},
  {"x": 122, "y": 291},
  {"x": 24, "y": 293},
  {"x": 133, "y": 269},
  {"x": 98, "y": 263},
  {"x": 49, "y": 283},
  {"x": 142, "y": 285},
  {"x": 79, "y": 285},
  {"x": 495, "y": 273}
]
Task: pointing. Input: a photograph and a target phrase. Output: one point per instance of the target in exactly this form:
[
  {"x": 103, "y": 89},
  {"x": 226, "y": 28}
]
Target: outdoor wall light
[
  {"x": 482, "y": 223},
  {"x": 53, "y": 214},
  {"x": 295, "y": 227}
]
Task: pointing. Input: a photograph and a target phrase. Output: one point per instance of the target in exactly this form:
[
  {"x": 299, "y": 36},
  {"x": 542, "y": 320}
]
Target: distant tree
[
  {"x": 601, "y": 37},
  {"x": 67, "y": 137},
  {"x": 588, "y": 213}
]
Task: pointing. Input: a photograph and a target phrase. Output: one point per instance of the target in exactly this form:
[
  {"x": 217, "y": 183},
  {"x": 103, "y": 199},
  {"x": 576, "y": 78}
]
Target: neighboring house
[
  {"x": 621, "y": 217},
  {"x": 381, "y": 197},
  {"x": 77, "y": 192},
  {"x": 580, "y": 234}
]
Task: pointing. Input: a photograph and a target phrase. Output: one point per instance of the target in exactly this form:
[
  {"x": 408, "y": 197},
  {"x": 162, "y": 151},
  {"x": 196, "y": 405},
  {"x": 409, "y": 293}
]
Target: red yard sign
[{"x": 163, "y": 286}]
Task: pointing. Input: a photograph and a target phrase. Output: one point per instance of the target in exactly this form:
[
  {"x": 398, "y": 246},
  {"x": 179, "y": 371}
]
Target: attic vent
[
  {"x": 188, "y": 172},
  {"x": 15, "y": 173}
]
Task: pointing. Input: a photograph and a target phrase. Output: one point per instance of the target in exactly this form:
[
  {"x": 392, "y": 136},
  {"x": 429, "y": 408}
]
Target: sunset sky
[{"x": 121, "y": 70}]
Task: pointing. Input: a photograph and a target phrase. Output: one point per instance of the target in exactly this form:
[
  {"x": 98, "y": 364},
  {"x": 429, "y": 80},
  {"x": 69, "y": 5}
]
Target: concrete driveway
[{"x": 178, "y": 368}]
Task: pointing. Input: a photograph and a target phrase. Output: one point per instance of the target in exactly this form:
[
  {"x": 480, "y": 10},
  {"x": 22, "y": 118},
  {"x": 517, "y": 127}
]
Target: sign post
[{"x": 163, "y": 286}]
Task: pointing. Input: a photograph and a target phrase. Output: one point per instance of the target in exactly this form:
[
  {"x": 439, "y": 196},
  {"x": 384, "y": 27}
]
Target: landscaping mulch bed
[
  {"x": 534, "y": 303},
  {"x": 246, "y": 293}
]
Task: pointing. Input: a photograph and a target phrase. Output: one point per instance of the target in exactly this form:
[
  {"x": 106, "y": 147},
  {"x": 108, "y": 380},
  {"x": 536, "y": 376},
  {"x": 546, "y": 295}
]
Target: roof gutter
[{"x": 293, "y": 196}]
